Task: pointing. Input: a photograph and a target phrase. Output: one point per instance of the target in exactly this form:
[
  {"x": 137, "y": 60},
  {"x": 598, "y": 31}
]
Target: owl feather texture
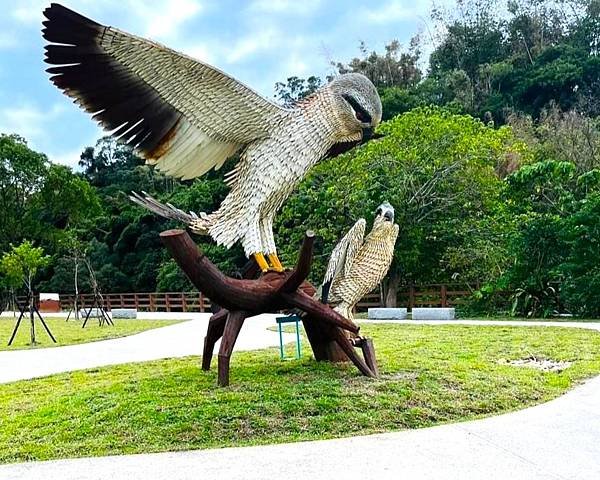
[
  {"x": 187, "y": 117},
  {"x": 357, "y": 264}
]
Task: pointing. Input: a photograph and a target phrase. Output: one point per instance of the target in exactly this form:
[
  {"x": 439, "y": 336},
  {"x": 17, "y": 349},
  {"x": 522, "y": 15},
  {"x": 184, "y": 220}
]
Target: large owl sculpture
[
  {"x": 358, "y": 264},
  {"x": 187, "y": 117}
]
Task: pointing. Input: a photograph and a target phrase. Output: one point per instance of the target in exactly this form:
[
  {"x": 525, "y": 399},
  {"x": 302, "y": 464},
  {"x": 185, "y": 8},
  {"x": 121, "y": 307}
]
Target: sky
[{"x": 259, "y": 42}]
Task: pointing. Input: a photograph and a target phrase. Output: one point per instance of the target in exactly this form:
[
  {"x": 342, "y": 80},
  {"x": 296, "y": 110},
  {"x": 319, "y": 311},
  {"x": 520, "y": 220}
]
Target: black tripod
[
  {"x": 32, "y": 310},
  {"x": 103, "y": 316},
  {"x": 74, "y": 308},
  {"x": 98, "y": 302}
]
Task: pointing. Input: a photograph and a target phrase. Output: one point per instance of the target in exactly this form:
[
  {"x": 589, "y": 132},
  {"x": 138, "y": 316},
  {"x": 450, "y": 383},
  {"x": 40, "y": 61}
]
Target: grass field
[
  {"x": 69, "y": 333},
  {"x": 430, "y": 375}
]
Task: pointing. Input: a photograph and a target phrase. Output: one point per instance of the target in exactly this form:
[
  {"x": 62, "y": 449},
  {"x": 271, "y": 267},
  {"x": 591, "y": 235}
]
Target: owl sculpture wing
[
  {"x": 369, "y": 264},
  {"x": 180, "y": 114},
  {"x": 343, "y": 256}
]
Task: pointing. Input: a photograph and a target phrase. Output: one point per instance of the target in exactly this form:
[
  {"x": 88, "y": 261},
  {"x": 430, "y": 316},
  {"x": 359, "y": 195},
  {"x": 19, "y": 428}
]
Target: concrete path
[
  {"x": 177, "y": 340},
  {"x": 556, "y": 440},
  {"x": 506, "y": 323}
]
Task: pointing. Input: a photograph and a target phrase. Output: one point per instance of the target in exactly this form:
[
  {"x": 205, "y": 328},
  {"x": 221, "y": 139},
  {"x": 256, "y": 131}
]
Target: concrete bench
[
  {"x": 435, "y": 313},
  {"x": 387, "y": 314},
  {"x": 94, "y": 313},
  {"x": 124, "y": 313}
]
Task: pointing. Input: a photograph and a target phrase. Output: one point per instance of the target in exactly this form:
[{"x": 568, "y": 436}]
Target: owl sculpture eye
[{"x": 359, "y": 112}]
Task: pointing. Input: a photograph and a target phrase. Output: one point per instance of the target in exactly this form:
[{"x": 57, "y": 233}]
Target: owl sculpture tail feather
[{"x": 198, "y": 223}]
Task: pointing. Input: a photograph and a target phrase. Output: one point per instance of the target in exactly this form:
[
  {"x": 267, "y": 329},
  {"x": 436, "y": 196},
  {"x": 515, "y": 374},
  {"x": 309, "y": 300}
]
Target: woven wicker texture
[{"x": 187, "y": 117}]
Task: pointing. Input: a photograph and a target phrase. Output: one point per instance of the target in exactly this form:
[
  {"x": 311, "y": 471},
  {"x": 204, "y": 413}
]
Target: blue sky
[{"x": 259, "y": 42}]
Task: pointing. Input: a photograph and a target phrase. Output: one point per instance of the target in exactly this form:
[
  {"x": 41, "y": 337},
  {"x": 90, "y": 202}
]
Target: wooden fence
[
  {"x": 148, "y": 302},
  {"x": 431, "y": 295}
]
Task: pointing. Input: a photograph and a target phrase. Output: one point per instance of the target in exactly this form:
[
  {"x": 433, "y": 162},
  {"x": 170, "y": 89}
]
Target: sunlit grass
[
  {"x": 69, "y": 333},
  {"x": 430, "y": 375}
]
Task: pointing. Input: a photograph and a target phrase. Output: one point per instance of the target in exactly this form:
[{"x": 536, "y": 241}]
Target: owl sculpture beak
[
  {"x": 369, "y": 134},
  {"x": 386, "y": 212}
]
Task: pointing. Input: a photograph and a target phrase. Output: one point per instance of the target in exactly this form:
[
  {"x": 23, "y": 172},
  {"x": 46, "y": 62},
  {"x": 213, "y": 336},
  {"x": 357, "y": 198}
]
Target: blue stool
[{"x": 288, "y": 319}]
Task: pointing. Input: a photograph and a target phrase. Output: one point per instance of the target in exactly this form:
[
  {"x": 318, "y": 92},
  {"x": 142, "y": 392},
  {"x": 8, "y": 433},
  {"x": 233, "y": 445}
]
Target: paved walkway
[
  {"x": 555, "y": 440},
  {"x": 507, "y": 323},
  {"x": 179, "y": 340}
]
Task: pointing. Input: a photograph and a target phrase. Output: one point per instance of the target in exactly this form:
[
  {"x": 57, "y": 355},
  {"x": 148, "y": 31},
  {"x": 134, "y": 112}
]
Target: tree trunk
[
  {"x": 390, "y": 293},
  {"x": 75, "y": 305},
  {"x": 31, "y": 318}
]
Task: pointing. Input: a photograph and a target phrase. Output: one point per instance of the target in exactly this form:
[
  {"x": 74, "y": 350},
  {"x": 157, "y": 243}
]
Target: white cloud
[
  {"x": 27, "y": 120},
  {"x": 200, "y": 51},
  {"x": 29, "y": 11},
  {"x": 8, "y": 40},
  {"x": 69, "y": 158},
  {"x": 163, "y": 19},
  {"x": 159, "y": 20},
  {"x": 35, "y": 125},
  {"x": 391, "y": 11},
  {"x": 293, "y": 7},
  {"x": 266, "y": 39}
]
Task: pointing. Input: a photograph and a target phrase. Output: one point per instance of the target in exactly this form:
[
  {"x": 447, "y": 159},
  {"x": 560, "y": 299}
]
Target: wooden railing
[
  {"x": 431, "y": 295},
  {"x": 149, "y": 302}
]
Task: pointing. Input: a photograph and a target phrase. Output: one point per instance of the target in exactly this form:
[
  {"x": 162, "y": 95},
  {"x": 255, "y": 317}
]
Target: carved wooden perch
[{"x": 271, "y": 292}]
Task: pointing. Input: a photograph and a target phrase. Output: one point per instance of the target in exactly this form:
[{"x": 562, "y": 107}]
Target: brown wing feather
[{"x": 179, "y": 113}]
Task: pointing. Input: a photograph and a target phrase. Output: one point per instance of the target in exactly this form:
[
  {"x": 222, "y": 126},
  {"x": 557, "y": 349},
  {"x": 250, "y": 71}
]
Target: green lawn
[
  {"x": 363, "y": 316},
  {"x": 431, "y": 375},
  {"x": 69, "y": 333}
]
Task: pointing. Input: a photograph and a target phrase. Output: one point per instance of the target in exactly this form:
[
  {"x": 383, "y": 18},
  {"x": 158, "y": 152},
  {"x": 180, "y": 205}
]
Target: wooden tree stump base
[{"x": 271, "y": 292}]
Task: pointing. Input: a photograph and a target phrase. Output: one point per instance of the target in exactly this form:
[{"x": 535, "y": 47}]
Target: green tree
[
  {"x": 580, "y": 270},
  {"x": 296, "y": 89},
  {"x": 21, "y": 264},
  {"x": 553, "y": 205},
  {"x": 393, "y": 68},
  {"x": 22, "y": 172},
  {"x": 438, "y": 169}
]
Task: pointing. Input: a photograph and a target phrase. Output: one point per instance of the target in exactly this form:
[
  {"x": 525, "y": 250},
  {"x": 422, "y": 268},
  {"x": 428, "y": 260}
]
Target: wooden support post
[
  {"x": 233, "y": 325},
  {"x": 444, "y": 296},
  {"x": 368, "y": 350},
  {"x": 216, "y": 326}
]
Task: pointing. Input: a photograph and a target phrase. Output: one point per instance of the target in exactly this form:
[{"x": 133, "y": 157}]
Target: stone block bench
[
  {"x": 94, "y": 313},
  {"x": 435, "y": 313},
  {"x": 124, "y": 313},
  {"x": 387, "y": 314}
]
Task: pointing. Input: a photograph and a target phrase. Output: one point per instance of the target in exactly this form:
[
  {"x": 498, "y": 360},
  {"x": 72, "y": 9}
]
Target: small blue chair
[{"x": 288, "y": 319}]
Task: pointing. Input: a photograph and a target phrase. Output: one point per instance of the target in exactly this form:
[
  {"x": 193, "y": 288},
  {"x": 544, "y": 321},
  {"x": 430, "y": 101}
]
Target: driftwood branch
[{"x": 271, "y": 292}]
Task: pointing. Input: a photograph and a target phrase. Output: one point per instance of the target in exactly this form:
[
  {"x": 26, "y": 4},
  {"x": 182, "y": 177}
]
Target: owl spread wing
[
  {"x": 343, "y": 255},
  {"x": 180, "y": 114}
]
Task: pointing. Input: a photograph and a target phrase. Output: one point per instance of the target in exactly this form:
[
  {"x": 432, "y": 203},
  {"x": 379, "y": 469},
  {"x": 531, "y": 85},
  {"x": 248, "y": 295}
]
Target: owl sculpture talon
[
  {"x": 262, "y": 263},
  {"x": 276, "y": 265}
]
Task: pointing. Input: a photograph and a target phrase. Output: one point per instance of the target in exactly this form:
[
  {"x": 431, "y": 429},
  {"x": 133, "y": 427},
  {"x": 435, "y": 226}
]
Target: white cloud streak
[
  {"x": 391, "y": 11},
  {"x": 289, "y": 7},
  {"x": 28, "y": 120}
]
